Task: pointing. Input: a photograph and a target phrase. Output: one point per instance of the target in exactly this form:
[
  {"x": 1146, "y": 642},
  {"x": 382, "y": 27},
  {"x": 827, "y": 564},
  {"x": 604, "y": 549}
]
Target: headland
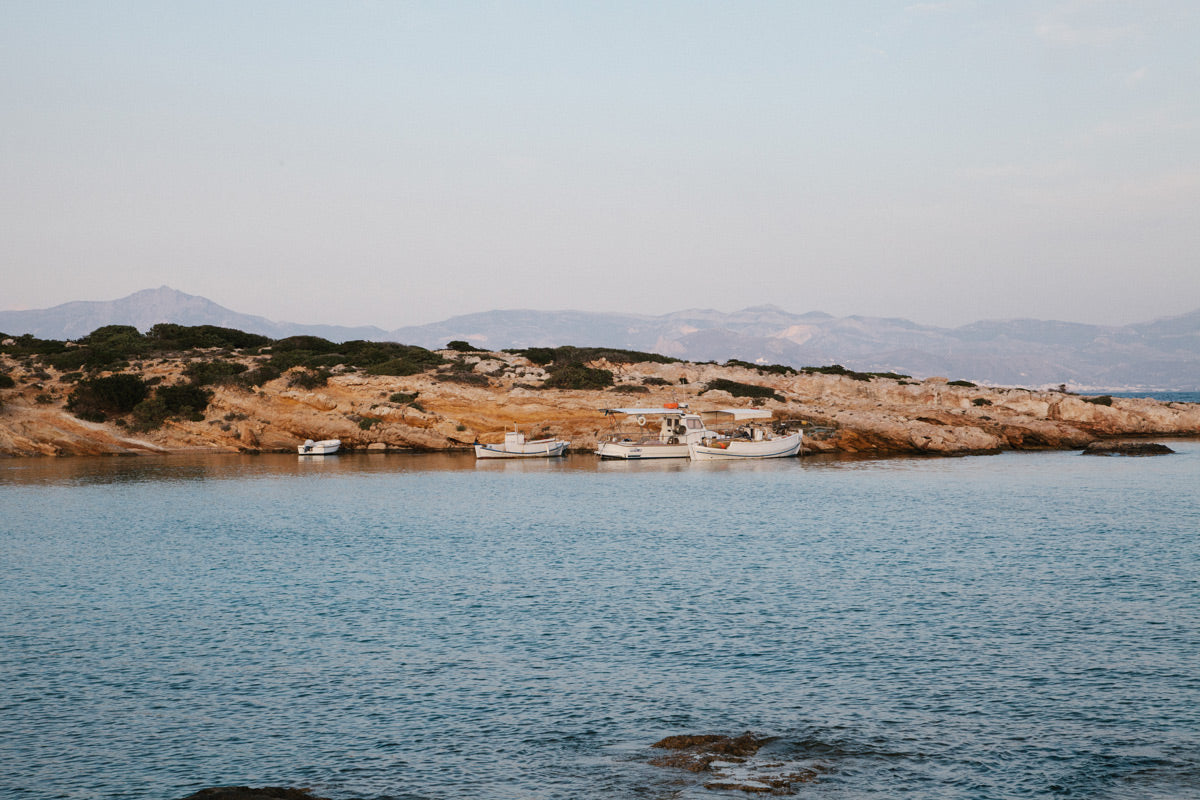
[{"x": 185, "y": 390}]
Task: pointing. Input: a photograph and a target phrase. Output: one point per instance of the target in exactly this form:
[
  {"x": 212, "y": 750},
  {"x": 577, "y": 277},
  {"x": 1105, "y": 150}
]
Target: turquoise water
[
  {"x": 1166, "y": 397},
  {"x": 1012, "y": 626}
]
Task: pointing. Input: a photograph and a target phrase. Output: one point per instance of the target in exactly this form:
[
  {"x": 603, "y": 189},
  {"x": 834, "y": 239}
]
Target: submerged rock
[
  {"x": 731, "y": 764},
  {"x": 1126, "y": 449},
  {"x": 696, "y": 752},
  {"x": 247, "y": 793}
]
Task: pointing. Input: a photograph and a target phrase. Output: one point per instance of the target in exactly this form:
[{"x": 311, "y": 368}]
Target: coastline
[{"x": 489, "y": 392}]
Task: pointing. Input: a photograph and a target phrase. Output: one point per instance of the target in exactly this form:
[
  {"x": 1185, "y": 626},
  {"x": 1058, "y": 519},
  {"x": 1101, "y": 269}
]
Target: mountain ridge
[{"x": 1159, "y": 354}]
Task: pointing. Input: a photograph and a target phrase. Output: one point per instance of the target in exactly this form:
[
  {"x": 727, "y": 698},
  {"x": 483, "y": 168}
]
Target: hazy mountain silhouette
[{"x": 1163, "y": 353}]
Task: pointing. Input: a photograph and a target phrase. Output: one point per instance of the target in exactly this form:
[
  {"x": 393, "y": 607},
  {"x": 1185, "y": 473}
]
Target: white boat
[
  {"x": 515, "y": 446},
  {"x": 325, "y": 447},
  {"x": 747, "y": 441},
  {"x": 677, "y": 428}
]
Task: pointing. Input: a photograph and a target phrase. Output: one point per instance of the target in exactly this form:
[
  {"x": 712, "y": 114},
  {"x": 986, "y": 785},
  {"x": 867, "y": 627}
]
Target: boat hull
[
  {"x": 326, "y": 447},
  {"x": 641, "y": 450},
  {"x": 548, "y": 448},
  {"x": 737, "y": 449}
]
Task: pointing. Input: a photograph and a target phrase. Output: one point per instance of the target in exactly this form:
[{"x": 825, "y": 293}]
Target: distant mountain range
[{"x": 1162, "y": 354}]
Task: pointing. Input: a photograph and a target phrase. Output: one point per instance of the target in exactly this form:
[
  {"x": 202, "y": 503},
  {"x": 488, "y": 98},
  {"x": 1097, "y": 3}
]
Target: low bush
[
  {"x": 309, "y": 378},
  {"x": 406, "y": 360},
  {"x": 205, "y": 373},
  {"x": 577, "y": 376},
  {"x": 401, "y": 398},
  {"x": 257, "y": 376},
  {"x": 94, "y": 399},
  {"x": 577, "y": 355},
  {"x": 1101, "y": 400},
  {"x": 169, "y": 336},
  {"x": 967, "y": 384},
  {"x": 464, "y": 377},
  {"x": 981, "y": 401},
  {"x": 837, "y": 369},
  {"x": 462, "y": 347},
  {"x": 742, "y": 389},
  {"x": 6, "y": 381},
  {"x": 772, "y": 369}
]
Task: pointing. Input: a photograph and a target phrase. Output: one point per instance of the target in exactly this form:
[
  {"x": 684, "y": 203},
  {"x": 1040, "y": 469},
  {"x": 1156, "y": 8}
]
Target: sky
[{"x": 398, "y": 163}]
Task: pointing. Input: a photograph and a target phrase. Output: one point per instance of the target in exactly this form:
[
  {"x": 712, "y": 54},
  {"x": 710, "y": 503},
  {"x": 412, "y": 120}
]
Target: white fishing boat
[
  {"x": 325, "y": 447},
  {"x": 750, "y": 440},
  {"x": 515, "y": 446},
  {"x": 676, "y": 429}
]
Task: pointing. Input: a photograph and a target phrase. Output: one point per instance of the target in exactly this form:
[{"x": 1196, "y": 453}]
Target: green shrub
[
  {"x": 184, "y": 400},
  {"x": 837, "y": 369},
  {"x": 464, "y": 377},
  {"x": 169, "y": 336},
  {"x": 151, "y": 412},
  {"x": 44, "y": 399},
  {"x": 257, "y": 376},
  {"x": 742, "y": 389},
  {"x": 654, "y": 380},
  {"x": 1101, "y": 400},
  {"x": 309, "y": 378},
  {"x": 411, "y": 362},
  {"x": 772, "y": 369},
  {"x": 95, "y": 398},
  {"x": 366, "y": 423},
  {"x": 29, "y": 345},
  {"x": 981, "y": 401},
  {"x": 68, "y": 360},
  {"x": 6, "y": 381},
  {"x": 574, "y": 355},
  {"x": 461, "y": 346},
  {"x": 205, "y": 373},
  {"x": 577, "y": 376},
  {"x": 967, "y": 384},
  {"x": 401, "y": 398}
]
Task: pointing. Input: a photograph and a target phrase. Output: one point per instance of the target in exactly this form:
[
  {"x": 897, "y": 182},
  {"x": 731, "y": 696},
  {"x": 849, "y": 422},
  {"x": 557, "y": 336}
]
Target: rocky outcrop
[
  {"x": 1127, "y": 449},
  {"x": 442, "y": 410},
  {"x": 729, "y": 763}
]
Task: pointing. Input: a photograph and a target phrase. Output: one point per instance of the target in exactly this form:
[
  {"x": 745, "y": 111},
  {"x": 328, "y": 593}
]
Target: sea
[{"x": 429, "y": 627}]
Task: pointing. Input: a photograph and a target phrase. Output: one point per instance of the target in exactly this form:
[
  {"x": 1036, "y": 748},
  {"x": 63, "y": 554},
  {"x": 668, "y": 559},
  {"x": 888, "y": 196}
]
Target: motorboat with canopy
[{"x": 663, "y": 432}]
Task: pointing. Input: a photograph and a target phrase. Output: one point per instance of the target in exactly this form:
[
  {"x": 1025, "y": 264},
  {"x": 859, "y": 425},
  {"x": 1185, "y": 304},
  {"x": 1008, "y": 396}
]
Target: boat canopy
[
  {"x": 645, "y": 412},
  {"x": 743, "y": 413}
]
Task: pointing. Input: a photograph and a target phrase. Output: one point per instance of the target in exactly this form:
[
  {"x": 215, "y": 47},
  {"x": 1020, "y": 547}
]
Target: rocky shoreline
[{"x": 481, "y": 394}]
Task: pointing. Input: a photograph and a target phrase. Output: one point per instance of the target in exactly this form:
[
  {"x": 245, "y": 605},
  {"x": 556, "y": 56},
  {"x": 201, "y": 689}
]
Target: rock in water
[
  {"x": 247, "y": 793},
  {"x": 729, "y": 763},
  {"x": 1126, "y": 449}
]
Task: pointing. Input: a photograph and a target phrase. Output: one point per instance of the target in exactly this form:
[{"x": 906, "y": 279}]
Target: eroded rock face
[{"x": 838, "y": 413}]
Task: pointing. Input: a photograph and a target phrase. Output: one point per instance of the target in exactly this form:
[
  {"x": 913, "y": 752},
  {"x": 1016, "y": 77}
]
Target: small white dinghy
[
  {"x": 515, "y": 446},
  {"x": 325, "y": 447}
]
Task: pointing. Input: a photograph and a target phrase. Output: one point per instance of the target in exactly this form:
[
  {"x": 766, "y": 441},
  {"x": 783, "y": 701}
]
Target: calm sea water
[
  {"x": 1166, "y": 397},
  {"x": 420, "y": 627}
]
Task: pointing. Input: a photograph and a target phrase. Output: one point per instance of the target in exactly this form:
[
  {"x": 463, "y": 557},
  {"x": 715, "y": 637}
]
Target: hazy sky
[{"x": 398, "y": 163}]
